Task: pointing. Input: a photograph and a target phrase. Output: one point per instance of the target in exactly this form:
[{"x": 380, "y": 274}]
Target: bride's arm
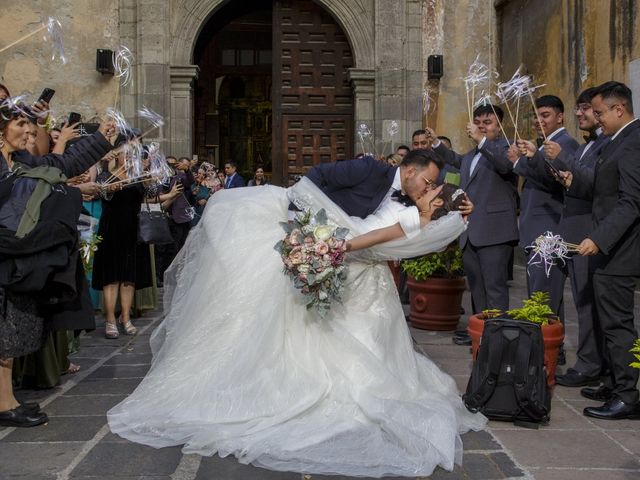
[
  {"x": 374, "y": 237},
  {"x": 382, "y": 235}
]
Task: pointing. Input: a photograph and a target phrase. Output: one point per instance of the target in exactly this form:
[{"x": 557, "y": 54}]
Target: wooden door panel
[
  {"x": 313, "y": 139},
  {"x": 312, "y": 97}
]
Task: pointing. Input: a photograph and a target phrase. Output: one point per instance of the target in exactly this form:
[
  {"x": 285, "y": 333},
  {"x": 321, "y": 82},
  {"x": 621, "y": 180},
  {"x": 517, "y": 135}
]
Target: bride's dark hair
[{"x": 452, "y": 195}]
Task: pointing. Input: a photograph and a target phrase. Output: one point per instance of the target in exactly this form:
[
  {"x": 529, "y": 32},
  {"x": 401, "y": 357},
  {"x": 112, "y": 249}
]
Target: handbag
[{"x": 153, "y": 226}]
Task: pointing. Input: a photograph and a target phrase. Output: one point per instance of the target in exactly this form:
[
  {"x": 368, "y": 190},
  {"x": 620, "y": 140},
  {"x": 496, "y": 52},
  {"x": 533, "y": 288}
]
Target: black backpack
[{"x": 508, "y": 380}]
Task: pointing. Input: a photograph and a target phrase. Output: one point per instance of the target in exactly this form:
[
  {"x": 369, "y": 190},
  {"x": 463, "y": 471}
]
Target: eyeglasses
[
  {"x": 598, "y": 114},
  {"x": 430, "y": 183},
  {"x": 583, "y": 107}
]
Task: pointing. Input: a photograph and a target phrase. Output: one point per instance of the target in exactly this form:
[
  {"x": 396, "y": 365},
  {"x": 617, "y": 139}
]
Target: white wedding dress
[{"x": 241, "y": 367}]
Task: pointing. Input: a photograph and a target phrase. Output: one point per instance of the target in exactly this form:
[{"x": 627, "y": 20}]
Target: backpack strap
[
  {"x": 483, "y": 393},
  {"x": 522, "y": 388}
]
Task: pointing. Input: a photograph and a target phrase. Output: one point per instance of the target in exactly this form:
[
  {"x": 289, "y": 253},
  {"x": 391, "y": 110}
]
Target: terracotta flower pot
[
  {"x": 552, "y": 335},
  {"x": 435, "y": 302}
]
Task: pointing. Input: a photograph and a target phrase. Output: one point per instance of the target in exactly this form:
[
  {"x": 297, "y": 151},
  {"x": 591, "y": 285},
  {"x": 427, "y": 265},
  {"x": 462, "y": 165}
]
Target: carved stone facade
[{"x": 390, "y": 40}]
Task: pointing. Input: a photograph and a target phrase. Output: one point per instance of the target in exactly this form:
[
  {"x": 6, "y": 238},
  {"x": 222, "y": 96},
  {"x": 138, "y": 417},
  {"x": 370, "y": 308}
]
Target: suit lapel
[
  {"x": 590, "y": 158},
  {"x": 609, "y": 149},
  {"x": 475, "y": 170}
]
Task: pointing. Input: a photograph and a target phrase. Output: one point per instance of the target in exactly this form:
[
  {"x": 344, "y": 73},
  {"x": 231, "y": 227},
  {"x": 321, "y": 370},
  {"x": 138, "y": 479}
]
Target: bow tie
[
  {"x": 591, "y": 137},
  {"x": 398, "y": 196},
  {"x": 539, "y": 142}
]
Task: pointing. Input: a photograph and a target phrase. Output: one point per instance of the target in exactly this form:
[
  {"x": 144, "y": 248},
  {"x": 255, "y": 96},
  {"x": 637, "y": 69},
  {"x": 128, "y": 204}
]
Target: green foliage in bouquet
[
  {"x": 445, "y": 264},
  {"x": 636, "y": 353},
  {"x": 312, "y": 252}
]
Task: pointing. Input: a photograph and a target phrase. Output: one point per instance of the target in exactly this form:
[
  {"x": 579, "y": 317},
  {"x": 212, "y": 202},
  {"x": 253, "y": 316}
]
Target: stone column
[
  {"x": 181, "y": 116},
  {"x": 363, "y": 81}
]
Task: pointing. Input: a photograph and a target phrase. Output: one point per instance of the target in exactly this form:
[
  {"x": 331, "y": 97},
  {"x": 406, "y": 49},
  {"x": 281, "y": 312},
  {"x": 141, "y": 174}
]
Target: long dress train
[{"x": 241, "y": 367}]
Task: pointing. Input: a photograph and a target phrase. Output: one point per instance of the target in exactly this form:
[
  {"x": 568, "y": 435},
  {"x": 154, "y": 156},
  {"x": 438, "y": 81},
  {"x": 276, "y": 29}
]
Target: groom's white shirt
[{"x": 408, "y": 217}]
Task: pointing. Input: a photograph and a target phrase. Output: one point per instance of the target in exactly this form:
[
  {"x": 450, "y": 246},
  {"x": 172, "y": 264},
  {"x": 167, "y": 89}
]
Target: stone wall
[
  {"x": 27, "y": 67},
  {"x": 459, "y": 31},
  {"x": 570, "y": 45},
  {"x": 390, "y": 40}
]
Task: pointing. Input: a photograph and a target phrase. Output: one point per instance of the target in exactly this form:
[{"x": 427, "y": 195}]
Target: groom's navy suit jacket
[{"x": 356, "y": 186}]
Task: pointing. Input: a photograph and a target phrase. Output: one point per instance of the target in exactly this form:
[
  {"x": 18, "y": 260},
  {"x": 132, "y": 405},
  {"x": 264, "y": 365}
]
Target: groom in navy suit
[{"x": 361, "y": 186}]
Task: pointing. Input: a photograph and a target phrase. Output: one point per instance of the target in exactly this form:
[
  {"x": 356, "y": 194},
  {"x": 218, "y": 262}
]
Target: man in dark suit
[
  {"x": 361, "y": 186},
  {"x": 614, "y": 246},
  {"x": 487, "y": 177},
  {"x": 575, "y": 225},
  {"x": 233, "y": 180},
  {"x": 542, "y": 199}
]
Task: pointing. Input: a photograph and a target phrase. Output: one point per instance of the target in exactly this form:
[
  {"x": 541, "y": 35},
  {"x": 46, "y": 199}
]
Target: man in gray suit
[
  {"x": 575, "y": 225},
  {"x": 614, "y": 247},
  {"x": 487, "y": 178},
  {"x": 542, "y": 198}
]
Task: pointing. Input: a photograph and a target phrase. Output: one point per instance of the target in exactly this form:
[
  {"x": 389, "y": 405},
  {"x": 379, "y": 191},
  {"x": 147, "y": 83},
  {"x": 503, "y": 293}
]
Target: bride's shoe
[
  {"x": 111, "y": 330},
  {"x": 128, "y": 327}
]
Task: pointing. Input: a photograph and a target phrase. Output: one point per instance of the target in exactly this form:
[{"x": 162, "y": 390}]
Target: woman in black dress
[{"x": 120, "y": 264}]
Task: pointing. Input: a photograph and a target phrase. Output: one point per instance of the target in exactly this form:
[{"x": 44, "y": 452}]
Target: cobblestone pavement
[{"x": 77, "y": 443}]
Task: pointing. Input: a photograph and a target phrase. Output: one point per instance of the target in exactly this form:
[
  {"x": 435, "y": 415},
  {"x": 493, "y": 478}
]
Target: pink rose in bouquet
[{"x": 312, "y": 252}]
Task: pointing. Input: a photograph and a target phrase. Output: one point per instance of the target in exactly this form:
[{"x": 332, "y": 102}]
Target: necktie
[
  {"x": 227, "y": 182},
  {"x": 398, "y": 196},
  {"x": 539, "y": 141},
  {"x": 591, "y": 137}
]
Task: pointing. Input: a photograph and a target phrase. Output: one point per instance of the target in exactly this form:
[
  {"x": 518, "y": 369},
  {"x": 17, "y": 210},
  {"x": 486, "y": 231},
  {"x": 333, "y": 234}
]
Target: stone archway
[{"x": 355, "y": 18}]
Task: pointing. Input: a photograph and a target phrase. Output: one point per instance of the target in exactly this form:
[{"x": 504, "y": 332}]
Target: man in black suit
[
  {"x": 614, "y": 246},
  {"x": 575, "y": 225},
  {"x": 487, "y": 177}
]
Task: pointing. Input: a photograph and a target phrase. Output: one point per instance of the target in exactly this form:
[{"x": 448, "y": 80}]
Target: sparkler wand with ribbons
[
  {"x": 548, "y": 249},
  {"x": 53, "y": 36},
  {"x": 122, "y": 62}
]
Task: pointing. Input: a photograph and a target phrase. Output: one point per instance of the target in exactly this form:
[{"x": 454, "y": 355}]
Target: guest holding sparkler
[
  {"x": 575, "y": 225},
  {"x": 40, "y": 238},
  {"x": 614, "y": 246},
  {"x": 542, "y": 198},
  {"x": 487, "y": 177},
  {"x": 121, "y": 264}
]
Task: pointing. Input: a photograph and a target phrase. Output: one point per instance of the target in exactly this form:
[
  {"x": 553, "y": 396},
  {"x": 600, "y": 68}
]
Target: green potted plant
[
  {"x": 436, "y": 284},
  {"x": 636, "y": 353},
  {"x": 534, "y": 309}
]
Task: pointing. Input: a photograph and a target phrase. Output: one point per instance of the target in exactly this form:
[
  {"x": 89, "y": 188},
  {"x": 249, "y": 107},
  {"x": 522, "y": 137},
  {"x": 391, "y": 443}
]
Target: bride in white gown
[{"x": 241, "y": 367}]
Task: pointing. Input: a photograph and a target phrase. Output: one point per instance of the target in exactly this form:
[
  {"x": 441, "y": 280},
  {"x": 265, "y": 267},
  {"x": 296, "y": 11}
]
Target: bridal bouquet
[{"x": 313, "y": 255}]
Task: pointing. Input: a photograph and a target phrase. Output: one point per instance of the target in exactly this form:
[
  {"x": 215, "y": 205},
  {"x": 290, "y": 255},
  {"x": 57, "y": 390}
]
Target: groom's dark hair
[{"x": 422, "y": 158}]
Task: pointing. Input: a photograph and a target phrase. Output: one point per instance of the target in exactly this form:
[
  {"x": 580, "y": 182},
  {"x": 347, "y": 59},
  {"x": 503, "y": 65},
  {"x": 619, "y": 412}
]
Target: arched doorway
[{"x": 273, "y": 87}]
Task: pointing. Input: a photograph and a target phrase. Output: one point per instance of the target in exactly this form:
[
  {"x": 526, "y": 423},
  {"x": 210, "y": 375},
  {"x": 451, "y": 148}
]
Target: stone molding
[{"x": 355, "y": 17}]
